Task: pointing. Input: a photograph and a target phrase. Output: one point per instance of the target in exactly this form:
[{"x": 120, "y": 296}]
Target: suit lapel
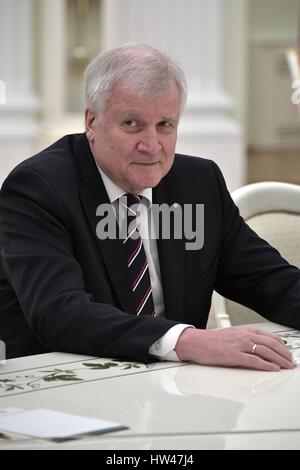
[
  {"x": 170, "y": 254},
  {"x": 92, "y": 193}
]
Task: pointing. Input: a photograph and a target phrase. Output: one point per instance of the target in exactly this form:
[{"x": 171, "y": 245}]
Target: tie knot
[
  {"x": 131, "y": 202},
  {"x": 132, "y": 199}
]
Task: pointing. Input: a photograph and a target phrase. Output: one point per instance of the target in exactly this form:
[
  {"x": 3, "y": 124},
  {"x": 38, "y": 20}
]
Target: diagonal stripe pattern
[{"x": 136, "y": 258}]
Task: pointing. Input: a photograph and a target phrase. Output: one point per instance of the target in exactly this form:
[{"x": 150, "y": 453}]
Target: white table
[{"x": 165, "y": 405}]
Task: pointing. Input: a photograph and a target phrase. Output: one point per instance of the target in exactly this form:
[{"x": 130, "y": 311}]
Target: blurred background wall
[{"x": 234, "y": 52}]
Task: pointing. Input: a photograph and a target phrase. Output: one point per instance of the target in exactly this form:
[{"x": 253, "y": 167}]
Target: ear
[{"x": 90, "y": 124}]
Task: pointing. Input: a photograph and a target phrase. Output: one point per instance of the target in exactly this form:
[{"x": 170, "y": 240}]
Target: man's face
[{"x": 133, "y": 140}]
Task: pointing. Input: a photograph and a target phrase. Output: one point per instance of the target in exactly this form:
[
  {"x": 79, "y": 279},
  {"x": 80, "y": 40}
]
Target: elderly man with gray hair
[{"x": 87, "y": 267}]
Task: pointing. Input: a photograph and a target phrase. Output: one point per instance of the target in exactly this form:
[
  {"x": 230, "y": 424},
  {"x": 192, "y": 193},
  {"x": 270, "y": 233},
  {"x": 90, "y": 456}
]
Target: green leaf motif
[
  {"x": 63, "y": 378},
  {"x": 58, "y": 375},
  {"x": 13, "y": 387},
  {"x": 131, "y": 366},
  {"x": 107, "y": 365}
]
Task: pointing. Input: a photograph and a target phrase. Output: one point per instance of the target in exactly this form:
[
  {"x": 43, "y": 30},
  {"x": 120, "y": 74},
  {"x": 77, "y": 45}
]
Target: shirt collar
[{"x": 115, "y": 192}]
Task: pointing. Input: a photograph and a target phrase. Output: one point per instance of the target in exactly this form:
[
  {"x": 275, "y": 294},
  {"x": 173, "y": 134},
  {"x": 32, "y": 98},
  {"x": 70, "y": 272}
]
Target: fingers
[
  {"x": 271, "y": 348},
  {"x": 256, "y": 362},
  {"x": 272, "y": 343},
  {"x": 259, "y": 349},
  {"x": 267, "y": 359},
  {"x": 267, "y": 333},
  {"x": 234, "y": 347}
]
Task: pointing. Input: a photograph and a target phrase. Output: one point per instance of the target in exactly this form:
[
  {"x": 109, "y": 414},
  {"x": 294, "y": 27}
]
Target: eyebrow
[{"x": 135, "y": 115}]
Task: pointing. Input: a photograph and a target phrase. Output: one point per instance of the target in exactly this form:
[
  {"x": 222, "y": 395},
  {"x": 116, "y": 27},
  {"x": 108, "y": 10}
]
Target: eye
[
  {"x": 165, "y": 124},
  {"x": 130, "y": 123},
  {"x": 166, "y": 127}
]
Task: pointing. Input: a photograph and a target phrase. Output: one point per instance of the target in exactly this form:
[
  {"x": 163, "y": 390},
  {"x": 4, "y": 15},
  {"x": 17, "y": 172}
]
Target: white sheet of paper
[{"x": 49, "y": 424}]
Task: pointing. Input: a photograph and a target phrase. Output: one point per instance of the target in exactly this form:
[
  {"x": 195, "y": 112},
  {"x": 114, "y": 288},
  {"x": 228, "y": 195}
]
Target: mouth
[{"x": 146, "y": 163}]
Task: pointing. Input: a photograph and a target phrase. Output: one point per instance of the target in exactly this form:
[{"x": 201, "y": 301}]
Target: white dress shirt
[{"x": 163, "y": 348}]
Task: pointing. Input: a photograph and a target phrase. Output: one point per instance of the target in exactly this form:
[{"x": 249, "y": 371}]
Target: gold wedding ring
[{"x": 253, "y": 348}]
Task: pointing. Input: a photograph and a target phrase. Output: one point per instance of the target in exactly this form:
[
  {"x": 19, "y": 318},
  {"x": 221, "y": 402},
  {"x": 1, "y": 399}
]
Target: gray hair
[{"x": 142, "y": 67}]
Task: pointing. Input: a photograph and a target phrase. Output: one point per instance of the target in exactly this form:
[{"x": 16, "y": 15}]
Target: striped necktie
[{"x": 136, "y": 258}]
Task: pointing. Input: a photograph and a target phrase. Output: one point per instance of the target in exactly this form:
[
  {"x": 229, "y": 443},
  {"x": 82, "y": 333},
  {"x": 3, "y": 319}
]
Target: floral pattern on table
[{"x": 35, "y": 379}]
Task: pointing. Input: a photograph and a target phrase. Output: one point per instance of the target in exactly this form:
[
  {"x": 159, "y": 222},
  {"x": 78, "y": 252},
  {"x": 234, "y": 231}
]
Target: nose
[{"x": 149, "y": 143}]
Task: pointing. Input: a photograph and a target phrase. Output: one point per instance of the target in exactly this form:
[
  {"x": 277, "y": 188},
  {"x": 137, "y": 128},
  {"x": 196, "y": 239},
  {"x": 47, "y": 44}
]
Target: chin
[
  {"x": 144, "y": 180},
  {"x": 148, "y": 183}
]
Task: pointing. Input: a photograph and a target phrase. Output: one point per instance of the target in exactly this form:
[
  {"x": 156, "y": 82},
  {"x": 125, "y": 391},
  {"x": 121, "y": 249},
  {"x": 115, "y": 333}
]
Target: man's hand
[{"x": 234, "y": 347}]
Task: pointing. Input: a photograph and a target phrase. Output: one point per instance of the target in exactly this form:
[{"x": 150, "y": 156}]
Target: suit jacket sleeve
[
  {"x": 253, "y": 273},
  {"x": 39, "y": 262}
]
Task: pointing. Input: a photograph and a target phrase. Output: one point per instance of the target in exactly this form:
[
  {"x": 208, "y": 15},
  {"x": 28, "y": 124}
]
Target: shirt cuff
[{"x": 163, "y": 348}]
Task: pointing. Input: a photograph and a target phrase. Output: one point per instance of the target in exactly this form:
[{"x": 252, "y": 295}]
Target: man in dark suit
[{"x": 67, "y": 285}]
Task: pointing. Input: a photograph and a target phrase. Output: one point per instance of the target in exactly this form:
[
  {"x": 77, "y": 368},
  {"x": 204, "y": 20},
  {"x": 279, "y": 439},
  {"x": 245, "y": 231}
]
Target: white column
[
  {"x": 191, "y": 31},
  {"x": 18, "y": 124},
  {"x": 53, "y": 64},
  {"x": 57, "y": 121}
]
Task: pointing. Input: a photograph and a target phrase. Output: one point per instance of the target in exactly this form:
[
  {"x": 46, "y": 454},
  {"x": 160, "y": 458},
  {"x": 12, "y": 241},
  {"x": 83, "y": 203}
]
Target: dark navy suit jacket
[{"x": 64, "y": 289}]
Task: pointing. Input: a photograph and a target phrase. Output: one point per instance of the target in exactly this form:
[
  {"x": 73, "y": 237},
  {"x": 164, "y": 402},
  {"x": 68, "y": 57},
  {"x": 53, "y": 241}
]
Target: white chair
[{"x": 272, "y": 210}]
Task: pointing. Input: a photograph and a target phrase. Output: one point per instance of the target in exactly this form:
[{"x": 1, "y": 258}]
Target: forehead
[{"x": 124, "y": 99}]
